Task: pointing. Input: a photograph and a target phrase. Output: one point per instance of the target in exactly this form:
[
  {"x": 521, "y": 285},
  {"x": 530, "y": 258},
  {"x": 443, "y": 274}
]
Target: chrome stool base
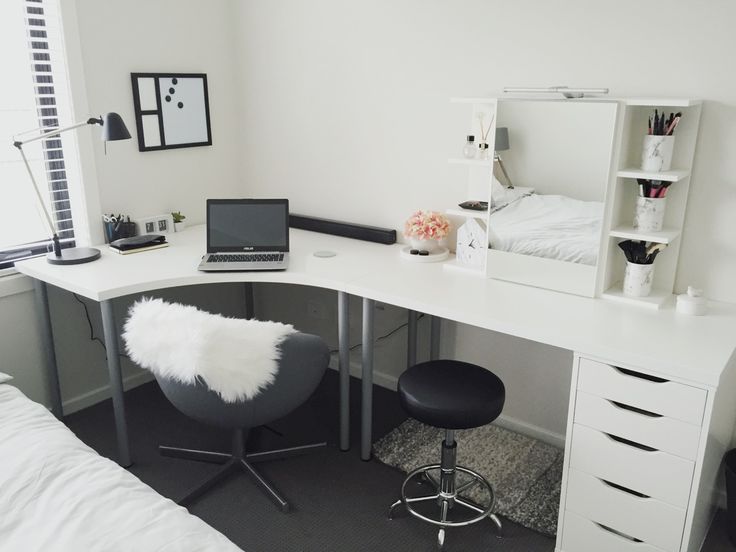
[{"x": 446, "y": 493}]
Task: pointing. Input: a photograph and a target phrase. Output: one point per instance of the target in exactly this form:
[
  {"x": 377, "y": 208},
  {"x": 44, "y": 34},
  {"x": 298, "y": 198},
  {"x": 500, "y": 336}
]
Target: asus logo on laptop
[{"x": 248, "y": 248}]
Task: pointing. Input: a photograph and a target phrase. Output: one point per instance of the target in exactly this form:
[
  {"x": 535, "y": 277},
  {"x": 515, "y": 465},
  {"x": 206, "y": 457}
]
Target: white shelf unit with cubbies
[
  {"x": 625, "y": 190},
  {"x": 479, "y": 173}
]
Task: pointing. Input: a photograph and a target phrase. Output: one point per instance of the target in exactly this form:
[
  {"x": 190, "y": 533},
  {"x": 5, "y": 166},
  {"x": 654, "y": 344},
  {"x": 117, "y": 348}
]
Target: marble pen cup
[
  {"x": 656, "y": 155},
  {"x": 649, "y": 213},
  {"x": 638, "y": 279}
]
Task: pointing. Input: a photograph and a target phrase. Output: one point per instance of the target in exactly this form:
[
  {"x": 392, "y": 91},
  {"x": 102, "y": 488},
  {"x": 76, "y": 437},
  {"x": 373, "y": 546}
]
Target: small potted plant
[
  {"x": 179, "y": 223},
  {"x": 425, "y": 228}
]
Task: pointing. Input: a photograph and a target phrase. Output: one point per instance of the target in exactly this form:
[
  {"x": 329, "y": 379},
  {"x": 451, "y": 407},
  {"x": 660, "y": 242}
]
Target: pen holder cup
[
  {"x": 649, "y": 213},
  {"x": 656, "y": 155},
  {"x": 638, "y": 279},
  {"x": 116, "y": 230}
]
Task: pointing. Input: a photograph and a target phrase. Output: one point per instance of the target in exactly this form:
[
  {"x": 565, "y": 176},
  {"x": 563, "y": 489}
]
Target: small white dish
[{"x": 440, "y": 254}]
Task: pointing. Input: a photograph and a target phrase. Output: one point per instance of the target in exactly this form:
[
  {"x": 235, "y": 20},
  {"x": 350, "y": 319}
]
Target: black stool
[{"x": 450, "y": 395}]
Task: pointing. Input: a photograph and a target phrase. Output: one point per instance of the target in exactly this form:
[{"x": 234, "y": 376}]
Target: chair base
[
  {"x": 446, "y": 494},
  {"x": 236, "y": 462}
]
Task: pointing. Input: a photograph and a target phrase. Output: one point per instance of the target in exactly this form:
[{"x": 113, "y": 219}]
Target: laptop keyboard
[{"x": 245, "y": 257}]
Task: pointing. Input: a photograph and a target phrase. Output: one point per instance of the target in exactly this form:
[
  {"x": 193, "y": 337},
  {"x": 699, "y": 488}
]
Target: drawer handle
[
  {"x": 632, "y": 443},
  {"x": 618, "y": 533},
  {"x": 624, "y": 489},
  {"x": 641, "y": 411},
  {"x": 639, "y": 375}
]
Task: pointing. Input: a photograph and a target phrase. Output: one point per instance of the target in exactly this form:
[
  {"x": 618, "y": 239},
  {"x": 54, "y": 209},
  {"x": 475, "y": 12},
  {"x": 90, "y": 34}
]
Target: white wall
[
  {"x": 20, "y": 352},
  {"x": 345, "y": 110},
  {"x": 191, "y": 36},
  {"x": 345, "y": 104}
]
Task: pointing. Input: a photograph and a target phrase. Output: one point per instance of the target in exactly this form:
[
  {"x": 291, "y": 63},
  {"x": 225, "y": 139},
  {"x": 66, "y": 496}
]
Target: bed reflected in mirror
[{"x": 559, "y": 161}]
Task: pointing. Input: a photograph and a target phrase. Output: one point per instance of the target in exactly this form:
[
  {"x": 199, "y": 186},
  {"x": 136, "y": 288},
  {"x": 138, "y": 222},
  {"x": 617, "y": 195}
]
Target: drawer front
[
  {"x": 653, "y": 473},
  {"x": 668, "y": 398},
  {"x": 654, "y": 430},
  {"x": 582, "y": 535},
  {"x": 646, "y": 519}
]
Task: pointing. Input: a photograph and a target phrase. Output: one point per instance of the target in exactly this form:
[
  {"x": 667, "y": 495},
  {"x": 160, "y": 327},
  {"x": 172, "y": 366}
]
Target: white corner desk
[{"x": 653, "y": 397}]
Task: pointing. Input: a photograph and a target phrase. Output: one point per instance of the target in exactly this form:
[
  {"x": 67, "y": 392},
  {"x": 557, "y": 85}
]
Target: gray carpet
[
  {"x": 524, "y": 472},
  {"x": 340, "y": 502}
]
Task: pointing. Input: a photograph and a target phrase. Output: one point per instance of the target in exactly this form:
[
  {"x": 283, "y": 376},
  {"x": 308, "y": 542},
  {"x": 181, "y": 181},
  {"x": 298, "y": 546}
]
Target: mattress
[
  {"x": 57, "y": 494},
  {"x": 550, "y": 226}
]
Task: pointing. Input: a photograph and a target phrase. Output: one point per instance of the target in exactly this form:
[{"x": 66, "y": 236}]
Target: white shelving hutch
[
  {"x": 479, "y": 177},
  {"x": 620, "y": 196},
  {"x": 624, "y": 192}
]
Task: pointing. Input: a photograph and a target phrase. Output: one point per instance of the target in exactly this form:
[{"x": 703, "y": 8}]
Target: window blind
[{"x": 36, "y": 97}]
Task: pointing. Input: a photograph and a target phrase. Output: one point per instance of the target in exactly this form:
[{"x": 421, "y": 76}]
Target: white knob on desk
[{"x": 692, "y": 302}]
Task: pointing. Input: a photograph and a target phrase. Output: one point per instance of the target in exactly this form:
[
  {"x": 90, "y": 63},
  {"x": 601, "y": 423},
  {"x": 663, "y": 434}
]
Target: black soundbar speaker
[{"x": 344, "y": 229}]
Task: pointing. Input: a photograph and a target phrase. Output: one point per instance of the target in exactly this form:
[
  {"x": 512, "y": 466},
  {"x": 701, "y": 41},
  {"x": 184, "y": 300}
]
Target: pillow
[
  {"x": 501, "y": 196},
  {"x": 4, "y": 378}
]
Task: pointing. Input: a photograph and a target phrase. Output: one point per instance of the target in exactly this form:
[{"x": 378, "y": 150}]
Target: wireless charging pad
[{"x": 324, "y": 254}]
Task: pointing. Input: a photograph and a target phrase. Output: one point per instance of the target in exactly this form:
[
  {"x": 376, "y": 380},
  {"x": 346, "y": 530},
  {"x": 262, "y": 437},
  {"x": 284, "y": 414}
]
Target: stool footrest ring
[{"x": 480, "y": 511}]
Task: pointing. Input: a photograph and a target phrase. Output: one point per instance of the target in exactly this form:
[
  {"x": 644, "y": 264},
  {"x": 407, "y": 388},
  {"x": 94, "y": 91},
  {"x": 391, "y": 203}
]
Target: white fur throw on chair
[{"x": 234, "y": 357}]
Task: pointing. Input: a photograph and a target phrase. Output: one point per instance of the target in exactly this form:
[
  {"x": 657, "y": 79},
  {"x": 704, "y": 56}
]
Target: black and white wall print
[{"x": 171, "y": 110}]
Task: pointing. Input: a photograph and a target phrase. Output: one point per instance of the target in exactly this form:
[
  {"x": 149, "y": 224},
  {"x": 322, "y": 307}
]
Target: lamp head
[
  {"x": 502, "y": 139},
  {"x": 113, "y": 127}
]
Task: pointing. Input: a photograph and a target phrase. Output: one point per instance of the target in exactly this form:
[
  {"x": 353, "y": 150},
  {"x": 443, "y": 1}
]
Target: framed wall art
[{"x": 171, "y": 110}]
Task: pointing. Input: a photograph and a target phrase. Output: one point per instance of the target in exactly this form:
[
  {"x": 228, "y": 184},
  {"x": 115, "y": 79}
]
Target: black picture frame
[{"x": 150, "y": 140}]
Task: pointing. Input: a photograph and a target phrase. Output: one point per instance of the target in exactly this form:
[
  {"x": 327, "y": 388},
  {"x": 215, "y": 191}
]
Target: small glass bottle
[
  {"x": 469, "y": 149},
  {"x": 483, "y": 150}
]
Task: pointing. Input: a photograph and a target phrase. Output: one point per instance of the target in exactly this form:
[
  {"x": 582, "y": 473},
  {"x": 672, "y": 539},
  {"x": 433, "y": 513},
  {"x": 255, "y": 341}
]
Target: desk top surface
[{"x": 687, "y": 348}]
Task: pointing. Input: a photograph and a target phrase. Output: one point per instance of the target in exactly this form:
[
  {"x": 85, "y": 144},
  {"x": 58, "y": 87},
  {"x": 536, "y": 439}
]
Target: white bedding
[
  {"x": 57, "y": 494},
  {"x": 551, "y": 226}
]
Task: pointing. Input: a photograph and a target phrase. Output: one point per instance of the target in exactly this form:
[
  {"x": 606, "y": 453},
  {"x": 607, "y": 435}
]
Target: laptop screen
[{"x": 247, "y": 225}]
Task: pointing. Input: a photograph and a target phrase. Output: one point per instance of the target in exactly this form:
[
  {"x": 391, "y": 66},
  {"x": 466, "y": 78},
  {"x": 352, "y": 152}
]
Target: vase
[
  {"x": 179, "y": 226},
  {"x": 424, "y": 245}
]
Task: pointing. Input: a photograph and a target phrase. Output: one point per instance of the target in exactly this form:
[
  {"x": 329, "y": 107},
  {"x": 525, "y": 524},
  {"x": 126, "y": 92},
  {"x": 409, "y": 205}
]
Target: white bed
[
  {"x": 57, "y": 494},
  {"x": 550, "y": 226}
]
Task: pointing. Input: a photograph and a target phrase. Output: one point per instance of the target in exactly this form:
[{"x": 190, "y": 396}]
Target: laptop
[{"x": 247, "y": 234}]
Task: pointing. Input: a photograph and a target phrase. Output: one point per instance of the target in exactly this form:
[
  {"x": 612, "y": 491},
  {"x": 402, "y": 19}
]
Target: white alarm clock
[{"x": 471, "y": 243}]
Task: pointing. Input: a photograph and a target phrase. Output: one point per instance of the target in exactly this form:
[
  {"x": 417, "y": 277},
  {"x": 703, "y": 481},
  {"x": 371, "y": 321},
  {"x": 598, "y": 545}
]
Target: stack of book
[{"x": 136, "y": 244}]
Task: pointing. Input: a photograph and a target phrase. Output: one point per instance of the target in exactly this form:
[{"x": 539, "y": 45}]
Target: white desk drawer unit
[
  {"x": 644, "y": 427},
  {"x": 583, "y": 535},
  {"x": 634, "y": 443},
  {"x": 643, "y": 518},
  {"x": 651, "y": 472},
  {"x": 667, "y": 398}
]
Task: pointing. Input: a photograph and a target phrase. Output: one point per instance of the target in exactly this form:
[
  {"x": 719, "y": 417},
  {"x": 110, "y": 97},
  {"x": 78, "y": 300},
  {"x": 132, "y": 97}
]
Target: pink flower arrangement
[{"x": 427, "y": 225}]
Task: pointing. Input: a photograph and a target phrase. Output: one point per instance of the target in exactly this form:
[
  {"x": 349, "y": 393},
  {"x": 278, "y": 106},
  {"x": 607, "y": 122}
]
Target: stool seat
[{"x": 450, "y": 394}]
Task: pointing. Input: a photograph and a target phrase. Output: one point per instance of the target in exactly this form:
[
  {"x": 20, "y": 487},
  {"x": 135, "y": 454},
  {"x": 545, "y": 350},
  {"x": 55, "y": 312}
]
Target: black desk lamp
[{"x": 113, "y": 129}]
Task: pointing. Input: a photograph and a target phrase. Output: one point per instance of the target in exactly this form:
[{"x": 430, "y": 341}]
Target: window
[{"x": 34, "y": 95}]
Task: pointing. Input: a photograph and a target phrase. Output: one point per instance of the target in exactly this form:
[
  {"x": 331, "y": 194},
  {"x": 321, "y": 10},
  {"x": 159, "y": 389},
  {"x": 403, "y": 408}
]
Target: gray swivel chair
[{"x": 304, "y": 358}]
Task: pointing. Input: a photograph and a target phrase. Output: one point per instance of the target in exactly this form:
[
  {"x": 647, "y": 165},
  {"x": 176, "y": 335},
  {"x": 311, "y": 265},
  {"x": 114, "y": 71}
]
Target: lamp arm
[
  {"x": 56, "y": 132},
  {"x": 38, "y": 192}
]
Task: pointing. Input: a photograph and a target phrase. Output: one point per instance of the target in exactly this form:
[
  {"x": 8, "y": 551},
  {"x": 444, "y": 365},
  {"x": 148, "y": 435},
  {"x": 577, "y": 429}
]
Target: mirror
[
  {"x": 547, "y": 198},
  {"x": 547, "y": 229}
]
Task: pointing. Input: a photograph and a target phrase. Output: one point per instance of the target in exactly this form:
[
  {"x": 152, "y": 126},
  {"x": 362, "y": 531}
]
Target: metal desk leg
[
  {"x": 250, "y": 304},
  {"x": 366, "y": 436},
  {"x": 47, "y": 340},
  {"x": 411, "y": 346},
  {"x": 343, "y": 340},
  {"x": 116, "y": 381},
  {"x": 434, "y": 343}
]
